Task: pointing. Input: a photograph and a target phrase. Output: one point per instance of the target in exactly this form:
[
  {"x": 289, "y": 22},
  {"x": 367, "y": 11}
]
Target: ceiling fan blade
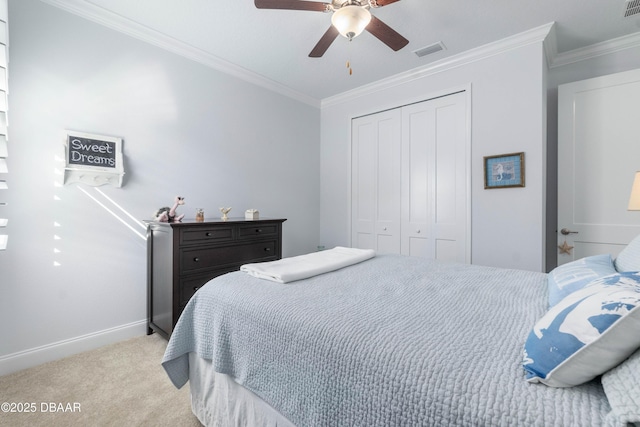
[
  {"x": 380, "y": 3},
  {"x": 386, "y": 34},
  {"x": 324, "y": 42},
  {"x": 291, "y": 5}
]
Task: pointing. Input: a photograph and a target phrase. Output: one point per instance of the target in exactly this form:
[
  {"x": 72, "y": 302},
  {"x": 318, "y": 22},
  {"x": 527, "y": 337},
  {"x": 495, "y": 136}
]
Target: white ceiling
[{"x": 273, "y": 45}]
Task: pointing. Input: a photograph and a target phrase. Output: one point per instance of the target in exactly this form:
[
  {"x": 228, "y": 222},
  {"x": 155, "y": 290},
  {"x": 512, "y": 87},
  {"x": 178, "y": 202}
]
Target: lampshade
[
  {"x": 634, "y": 200},
  {"x": 351, "y": 20}
]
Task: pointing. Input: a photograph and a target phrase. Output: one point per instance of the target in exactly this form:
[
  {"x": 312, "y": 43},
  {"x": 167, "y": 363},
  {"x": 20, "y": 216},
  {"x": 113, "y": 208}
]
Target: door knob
[{"x": 566, "y": 231}]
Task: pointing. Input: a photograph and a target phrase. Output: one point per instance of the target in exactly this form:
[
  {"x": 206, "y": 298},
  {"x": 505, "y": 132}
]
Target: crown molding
[
  {"x": 629, "y": 41},
  {"x": 535, "y": 35},
  {"x": 126, "y": 26},
  {"x": 551, "y": 45}
]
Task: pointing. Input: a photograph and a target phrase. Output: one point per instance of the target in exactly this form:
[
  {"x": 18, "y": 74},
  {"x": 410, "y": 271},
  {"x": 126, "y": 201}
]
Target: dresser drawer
[
  {"x": 202, "y": 235},
  {"x": 201, "y": 258},
  {"x": 189, "y": 285},
  {"x": 257, "y": 230}
]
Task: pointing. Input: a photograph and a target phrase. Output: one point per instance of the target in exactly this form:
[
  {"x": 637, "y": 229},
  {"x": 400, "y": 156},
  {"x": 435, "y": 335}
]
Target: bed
[{"x": 389, "y": 341}]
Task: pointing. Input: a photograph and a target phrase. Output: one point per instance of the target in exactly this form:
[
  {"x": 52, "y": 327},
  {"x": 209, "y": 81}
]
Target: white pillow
[
  {"x": 587, "y": 333},
  {"x": 629, "y": 258}
]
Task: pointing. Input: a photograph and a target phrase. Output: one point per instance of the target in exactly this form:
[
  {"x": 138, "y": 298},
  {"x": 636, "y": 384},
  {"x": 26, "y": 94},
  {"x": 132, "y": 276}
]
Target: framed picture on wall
[
  {"x": 93, "y": 159},
  {"x": 504, "y": 170}
]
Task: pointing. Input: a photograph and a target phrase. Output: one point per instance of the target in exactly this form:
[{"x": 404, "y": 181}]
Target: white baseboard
[{"x": 36, "y": 356}]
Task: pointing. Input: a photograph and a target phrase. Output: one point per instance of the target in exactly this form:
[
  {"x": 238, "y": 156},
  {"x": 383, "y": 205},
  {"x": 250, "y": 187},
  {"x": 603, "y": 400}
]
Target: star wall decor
[{"x": 565, "y": 248}]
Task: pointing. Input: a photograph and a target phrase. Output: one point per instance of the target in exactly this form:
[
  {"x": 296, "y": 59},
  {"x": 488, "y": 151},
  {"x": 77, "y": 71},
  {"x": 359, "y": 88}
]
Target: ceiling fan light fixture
[{"x": 351, "y": 20}]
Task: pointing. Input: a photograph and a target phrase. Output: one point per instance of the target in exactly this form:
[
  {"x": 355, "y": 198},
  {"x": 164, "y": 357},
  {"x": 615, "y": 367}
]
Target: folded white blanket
[{"x": 303, "y": 266}]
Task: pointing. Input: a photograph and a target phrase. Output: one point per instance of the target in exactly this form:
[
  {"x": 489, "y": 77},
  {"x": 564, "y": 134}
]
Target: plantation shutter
[{"x": 4, "y": 149}]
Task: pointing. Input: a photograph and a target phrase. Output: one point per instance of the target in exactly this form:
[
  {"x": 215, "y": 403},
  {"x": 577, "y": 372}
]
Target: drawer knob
[
  {"x": 208, "y": 234},
  {"x": 258, "y": 230},
  {"x": 196, "y": 259},
  {"x": 267, "y": 249}
]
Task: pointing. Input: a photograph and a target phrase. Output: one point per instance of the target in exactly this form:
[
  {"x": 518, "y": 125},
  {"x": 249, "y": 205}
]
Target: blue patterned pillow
[
  {"x": 587, "y": 333},
  {"x": 575, "y": 275},
  {"x": 629, "y": 258}
]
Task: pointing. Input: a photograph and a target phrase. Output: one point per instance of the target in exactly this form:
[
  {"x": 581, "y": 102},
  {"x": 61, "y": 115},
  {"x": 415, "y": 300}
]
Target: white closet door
[
  {"x": 434, "y": 179},
  {"x": 375, "y": 182}
]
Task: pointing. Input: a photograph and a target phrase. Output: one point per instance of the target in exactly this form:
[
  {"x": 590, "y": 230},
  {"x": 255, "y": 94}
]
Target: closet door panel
[
  {"x": 363, "y": 175},
  {"x": 447, "y": 250},
  {"x": 388, "y": 182},
  {"x": 375, "y": 183},
  {"x": 450, "y": 179},
  {"x": 434, "y": 163},
  {"x": 445, "y": 174},
  {"x": 418, "y": 138},
  {"x": 417, "y": 247}
]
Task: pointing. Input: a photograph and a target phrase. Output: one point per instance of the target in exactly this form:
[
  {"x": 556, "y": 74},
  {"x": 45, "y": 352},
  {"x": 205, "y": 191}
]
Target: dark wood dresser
[{"x": 183, "y": 256}]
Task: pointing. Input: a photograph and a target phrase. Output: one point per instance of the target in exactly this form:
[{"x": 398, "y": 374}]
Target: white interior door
[
  {"x": 598, "y": 155},
  {"x": 434, "y": 179}
]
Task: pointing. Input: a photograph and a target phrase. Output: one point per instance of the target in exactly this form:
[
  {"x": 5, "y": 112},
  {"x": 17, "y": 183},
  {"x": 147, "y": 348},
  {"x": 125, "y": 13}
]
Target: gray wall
[{"x": 188, "y": 130}]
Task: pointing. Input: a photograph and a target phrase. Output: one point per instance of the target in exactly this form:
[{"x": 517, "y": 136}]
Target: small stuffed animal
[{"x": 168, "y": 214}]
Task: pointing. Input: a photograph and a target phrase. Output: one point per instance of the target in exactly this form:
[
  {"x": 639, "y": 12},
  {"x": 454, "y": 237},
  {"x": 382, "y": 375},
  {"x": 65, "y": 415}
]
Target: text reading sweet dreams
[{"x": 91, "y": 152}]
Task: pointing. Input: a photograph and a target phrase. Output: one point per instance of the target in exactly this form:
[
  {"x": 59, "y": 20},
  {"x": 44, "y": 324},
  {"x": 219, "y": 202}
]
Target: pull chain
[{"x": 349, "y": 62}]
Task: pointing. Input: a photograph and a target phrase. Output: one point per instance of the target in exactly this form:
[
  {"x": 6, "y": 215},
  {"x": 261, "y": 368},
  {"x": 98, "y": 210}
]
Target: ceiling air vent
[
  {"x": 436, "y": 47},
  {"x": 631, "y": 8}
]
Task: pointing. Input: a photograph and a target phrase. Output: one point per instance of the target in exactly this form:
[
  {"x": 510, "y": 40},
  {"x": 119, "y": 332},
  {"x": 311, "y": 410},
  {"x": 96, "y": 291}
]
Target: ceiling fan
[{"x": 350, "y": 18}]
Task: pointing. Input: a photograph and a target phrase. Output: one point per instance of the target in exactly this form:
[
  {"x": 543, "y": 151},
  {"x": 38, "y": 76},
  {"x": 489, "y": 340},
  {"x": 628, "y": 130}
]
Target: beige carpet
[{"x": 122, "y": 384}]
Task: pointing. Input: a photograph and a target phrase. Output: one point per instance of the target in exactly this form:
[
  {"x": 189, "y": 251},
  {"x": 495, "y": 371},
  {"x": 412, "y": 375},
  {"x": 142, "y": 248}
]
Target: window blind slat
[
  {"x": 4, "y": 10},
  {"x": 4, "y": 152},
  {"x": 3, "y": 123}
]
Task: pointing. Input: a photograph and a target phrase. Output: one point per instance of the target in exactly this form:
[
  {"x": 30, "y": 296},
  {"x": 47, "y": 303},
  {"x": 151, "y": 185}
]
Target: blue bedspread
[{"x": 392, "y": 341}]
